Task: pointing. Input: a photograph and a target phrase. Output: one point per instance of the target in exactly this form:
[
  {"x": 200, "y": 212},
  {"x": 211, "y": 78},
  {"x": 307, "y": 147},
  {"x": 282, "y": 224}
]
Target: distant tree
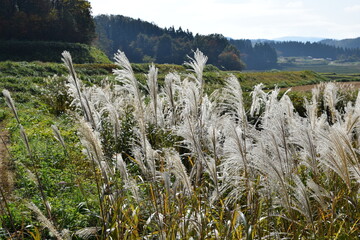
[
  {"x": 260, "y": 56},
  {"x": 164, "y": 49},
  {"x": 230, "y": 59}
]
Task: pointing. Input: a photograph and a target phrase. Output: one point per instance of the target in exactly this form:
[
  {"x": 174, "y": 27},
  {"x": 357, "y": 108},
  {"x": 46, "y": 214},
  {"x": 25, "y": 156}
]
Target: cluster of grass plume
[{"x": 199, "y": 166}]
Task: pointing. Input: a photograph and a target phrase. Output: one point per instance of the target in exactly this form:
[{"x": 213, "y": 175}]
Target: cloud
[
  {"x": 242, "y": 18},
  {"x": 353, "y": 9}
]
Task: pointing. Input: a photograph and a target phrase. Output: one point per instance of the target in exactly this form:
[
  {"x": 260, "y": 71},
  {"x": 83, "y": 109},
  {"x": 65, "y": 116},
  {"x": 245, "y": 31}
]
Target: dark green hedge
[{"x": 49, "y": 52}]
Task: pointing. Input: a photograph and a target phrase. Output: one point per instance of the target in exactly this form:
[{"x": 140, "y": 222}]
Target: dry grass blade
[
  {"x": 43, "y": 220},
  {"x": 11, "y": 104}
]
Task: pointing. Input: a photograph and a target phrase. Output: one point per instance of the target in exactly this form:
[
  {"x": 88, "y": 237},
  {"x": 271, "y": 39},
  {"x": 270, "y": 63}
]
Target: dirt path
[
  {"x": 6, "y": 174},
  {"x": 305, "y": 88}
]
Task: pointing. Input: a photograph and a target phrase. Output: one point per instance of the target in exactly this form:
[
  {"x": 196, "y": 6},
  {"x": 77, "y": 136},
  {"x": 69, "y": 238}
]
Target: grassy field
[
  {"x": 318, "y": 65},
  {"x": 163, "y": 159}
]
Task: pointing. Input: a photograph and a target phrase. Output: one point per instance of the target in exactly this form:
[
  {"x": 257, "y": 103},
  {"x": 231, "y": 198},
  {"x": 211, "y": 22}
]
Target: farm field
[
  {"x": 318, "y": 65},
  {"x": 177, "y": 152}
]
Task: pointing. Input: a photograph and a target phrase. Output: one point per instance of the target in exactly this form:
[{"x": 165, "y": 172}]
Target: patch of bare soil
[
  {"x": 6, "y": 173},
  {"x": 306, "y": 88}
]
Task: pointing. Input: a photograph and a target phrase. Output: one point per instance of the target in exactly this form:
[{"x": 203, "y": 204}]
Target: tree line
[
  {"x": 316, "y": 50},
  {"x": 146, "y": 42}
]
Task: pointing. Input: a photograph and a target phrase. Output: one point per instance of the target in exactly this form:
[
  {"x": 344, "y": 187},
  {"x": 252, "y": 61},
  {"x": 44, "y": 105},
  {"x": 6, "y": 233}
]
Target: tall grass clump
[{"x": 199, "y": 166}]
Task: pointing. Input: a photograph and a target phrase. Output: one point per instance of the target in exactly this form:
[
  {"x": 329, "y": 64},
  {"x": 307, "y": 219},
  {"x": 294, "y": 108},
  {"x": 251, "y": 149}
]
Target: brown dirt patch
[{"x": 6, "y": 173}]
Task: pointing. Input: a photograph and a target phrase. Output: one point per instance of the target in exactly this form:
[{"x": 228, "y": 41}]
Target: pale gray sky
[{"x": 245, "y": 18}]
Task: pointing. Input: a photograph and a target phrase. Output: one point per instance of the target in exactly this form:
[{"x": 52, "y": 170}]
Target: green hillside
[{"x": 49, "y": 52}]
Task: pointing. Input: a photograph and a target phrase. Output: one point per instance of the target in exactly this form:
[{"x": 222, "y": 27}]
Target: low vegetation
[
  {"x": 49, "y": 51},
  {"x": 180, "y": 158}
]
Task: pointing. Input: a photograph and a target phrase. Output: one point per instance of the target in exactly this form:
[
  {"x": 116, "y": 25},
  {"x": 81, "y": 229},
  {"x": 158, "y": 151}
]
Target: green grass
[
  {"x": 318, "y": 65},
  {"x": 49, "y": 52}
]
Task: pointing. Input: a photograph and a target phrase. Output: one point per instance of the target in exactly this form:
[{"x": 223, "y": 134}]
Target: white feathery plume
[
  {"x": 232, "y": 100},
  {"x": 319, "y": 193},
  {"x": 128, "y": 82},
  {"x": 301, "y": 198},
  {"x": 170, "y": 94},
  {"x": 86, "y": 233},
  {"x": 110, "y": 107},
  {"x": 197, "y": 65},
  {"x": 90, "y": 139},
  {"x": 191, "y": 100},
  {"x": 152, "y": 87},
  {"x": 337, "y": 153},
  {"x": 236, "y": 161},
  {"x": 75, "y": 89},
  {"x": 145, "y": 155},
  {"x": 258, "y": 96},
  {"x": 331, "y": 98},
  {"x": 10, "y": 102},
  {"x": 176, "y": 167}
]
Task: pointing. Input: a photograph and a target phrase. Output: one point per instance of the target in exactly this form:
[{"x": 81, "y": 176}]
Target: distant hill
[
  {"x": 344, "y": 43},
  {"x": 299, "y": 39},
  {"x": 316, "y": 50},
  {"x": 146, "y": 42}
]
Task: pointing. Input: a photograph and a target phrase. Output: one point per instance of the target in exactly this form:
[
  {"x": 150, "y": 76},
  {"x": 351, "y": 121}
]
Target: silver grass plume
[
  {"x": 337, "y": 153},
  {"x": 197, "y": 65},
  {"x": 91, "y": 140},
  {"x": 301, "y": 198},
  {"x": 319, "y": 193},
  {"x": 152, "y": 87},
  {"x": 171, "y": 94},
  {"x": 129, "y": 182},
  {"x": 10, "y": 102},
  {"x": 190, "y": 100},
  {"x": 86, "y": 233},
  {"x": 175, "y": 166},
  {"x": 331, "y": 98},
  {"x": 127, "y": 80},
  {"x": 75, "y": 81},
  {"x": 44, "y": 221},
  {"x": 110, "y": 107},
  {"x": 232, "y": 100},
  {"x": 145, "y": 155},
  {"x": 236, "y": 161},
  {"x": 258, "y": 96}
]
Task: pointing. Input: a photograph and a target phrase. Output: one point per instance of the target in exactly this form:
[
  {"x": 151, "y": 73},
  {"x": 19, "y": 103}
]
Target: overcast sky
[{"x": 238, "y": 19}]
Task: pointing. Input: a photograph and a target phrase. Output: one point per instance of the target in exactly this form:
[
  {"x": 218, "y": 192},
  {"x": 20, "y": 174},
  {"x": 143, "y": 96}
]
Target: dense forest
[
  {"x": 344, "y": 43},
  {"x": 146, "y": 42},
  {"x": 47, "y": 20},
  {"x": 256, "y": 56},
  {"x": 316, "y": 50}
]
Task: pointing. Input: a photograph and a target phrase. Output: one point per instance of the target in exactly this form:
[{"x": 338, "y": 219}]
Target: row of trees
[
  {"x": 315, "y": 49},
  {"x": 46, "y": 20},
  {"x": 146, "y": 42},
  {"x": 258, "y": 56}
]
